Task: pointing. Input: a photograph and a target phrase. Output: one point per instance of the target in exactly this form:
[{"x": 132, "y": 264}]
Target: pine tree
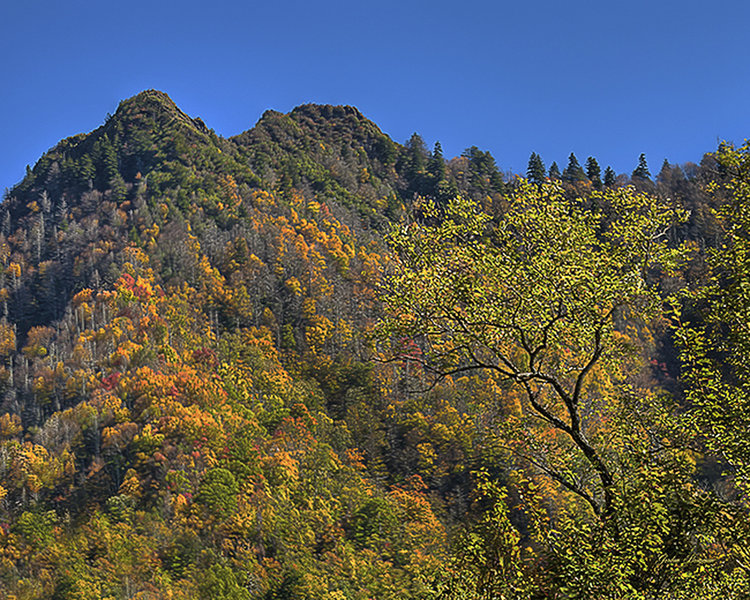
[
  {"x": 417, "y": 158},
  {"x": 436, "y": 165},
  {"x": 109, "y": 162},
  {"x": 609, "y": 177},
  {"x": 535, "y": 172},
  {"x": 594, "y": 172},
  {"x": 665, "y": 171},
  {"x": 641, "y": 171},
  {"x": 483, "y": 172},
  {"x": 554, "y": 171},
  {"x": 86, "y": 172},
  {"x": 417, "y": 154},
  {"x": 573, "y": 172}
]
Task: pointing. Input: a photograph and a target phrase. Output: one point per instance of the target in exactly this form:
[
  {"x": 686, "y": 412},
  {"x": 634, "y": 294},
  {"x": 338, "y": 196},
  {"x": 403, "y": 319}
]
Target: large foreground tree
[
  {"x": 553, "y": 299},
  {"x": 534, "y": 299}
]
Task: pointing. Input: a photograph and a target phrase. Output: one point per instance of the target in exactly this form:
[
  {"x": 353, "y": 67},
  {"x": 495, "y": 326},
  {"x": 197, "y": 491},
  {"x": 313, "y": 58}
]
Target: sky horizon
[{"x": 553, "y": 78}]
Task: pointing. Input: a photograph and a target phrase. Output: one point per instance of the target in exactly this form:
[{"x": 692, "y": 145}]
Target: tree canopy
[
  {"x": 220, "y": 378},
  {"x": 536, "y": 299}
]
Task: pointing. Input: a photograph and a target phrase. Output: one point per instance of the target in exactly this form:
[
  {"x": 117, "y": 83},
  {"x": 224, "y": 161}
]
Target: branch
[
  {"x": 598, "y": 349},
  {"x": 561, "y": 479},
  {"x": 550, "y": 418}
]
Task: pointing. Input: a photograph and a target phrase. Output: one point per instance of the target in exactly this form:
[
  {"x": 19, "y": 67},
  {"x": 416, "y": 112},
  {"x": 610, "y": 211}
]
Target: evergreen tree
[
  {"x": 641, "y": 171},
  {"x": 417, "y": 157},
  {"x": 554, "y": 171},
  {"x": 594, "y": 172},
  {"x": 535, "y": 172},
  {"x": 108, "y": 159},
  {"x": 437, "y": 163},
  {"x": 609, "y": 177},
  {"x": 86, "y": 172},
  {"x": 665, "y": 171},
  {"x": 417, "y": 154},
  {"x": 437, "y": 151},
  {"x": 483, "y": 172},
  {"x": 573, "y": 172}
]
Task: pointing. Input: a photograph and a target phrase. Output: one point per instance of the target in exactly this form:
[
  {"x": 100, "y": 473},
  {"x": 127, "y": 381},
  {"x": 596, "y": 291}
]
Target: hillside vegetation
[{"x": 311, "y": 362}]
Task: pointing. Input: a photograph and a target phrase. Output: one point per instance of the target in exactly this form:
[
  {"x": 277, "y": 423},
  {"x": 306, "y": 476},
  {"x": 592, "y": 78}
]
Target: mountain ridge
[{"x": 188, "y": 405}]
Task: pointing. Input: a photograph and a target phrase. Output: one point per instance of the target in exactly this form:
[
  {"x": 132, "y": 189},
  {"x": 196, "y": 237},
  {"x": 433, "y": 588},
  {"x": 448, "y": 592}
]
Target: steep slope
[
  {"x": 329, "y": 151},
  {"x": 184, "y": 412},
  {"x": 65, "y": 223},
  {"x": 189, "y": 405}
]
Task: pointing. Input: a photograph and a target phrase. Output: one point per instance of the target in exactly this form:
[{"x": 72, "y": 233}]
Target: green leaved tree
[
  {"x": 535, "y": 298},
  {"x": 714, "y": 336}
]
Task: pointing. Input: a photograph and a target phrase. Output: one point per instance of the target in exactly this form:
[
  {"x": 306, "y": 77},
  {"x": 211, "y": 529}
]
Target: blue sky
[{"x": 609, "y": 79}]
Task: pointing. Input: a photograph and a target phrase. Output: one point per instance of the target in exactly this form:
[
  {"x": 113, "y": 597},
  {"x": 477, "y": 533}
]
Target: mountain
[
  {"x": 187, "y": 408},
  {"x": 328, "y": 151},
  {"x": 196, "y": 399}
]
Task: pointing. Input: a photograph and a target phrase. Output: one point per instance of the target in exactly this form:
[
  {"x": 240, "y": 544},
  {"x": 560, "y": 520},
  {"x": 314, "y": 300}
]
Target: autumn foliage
[{"x": 219, "y": 380}]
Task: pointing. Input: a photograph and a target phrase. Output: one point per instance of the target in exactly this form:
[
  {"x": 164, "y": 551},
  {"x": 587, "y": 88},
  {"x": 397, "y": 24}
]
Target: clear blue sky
[{"x": 610, "y": 79}]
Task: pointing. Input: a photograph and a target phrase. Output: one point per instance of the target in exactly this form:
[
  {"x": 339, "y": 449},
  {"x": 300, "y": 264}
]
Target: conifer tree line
[{"x": 573, "y": 172}]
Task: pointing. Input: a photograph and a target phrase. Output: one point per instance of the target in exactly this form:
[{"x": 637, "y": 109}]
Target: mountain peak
[
  {"x": 154, "y": 105},
  {"x": 151, "y": 96},
  {"x": 329, "y": 111}
]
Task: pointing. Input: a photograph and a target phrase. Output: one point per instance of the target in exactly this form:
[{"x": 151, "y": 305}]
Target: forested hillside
[{"x": 311, "y": 362}]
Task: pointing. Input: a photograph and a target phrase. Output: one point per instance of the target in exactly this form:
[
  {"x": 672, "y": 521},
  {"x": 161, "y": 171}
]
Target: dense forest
[{"x": 309, "y": 362}]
